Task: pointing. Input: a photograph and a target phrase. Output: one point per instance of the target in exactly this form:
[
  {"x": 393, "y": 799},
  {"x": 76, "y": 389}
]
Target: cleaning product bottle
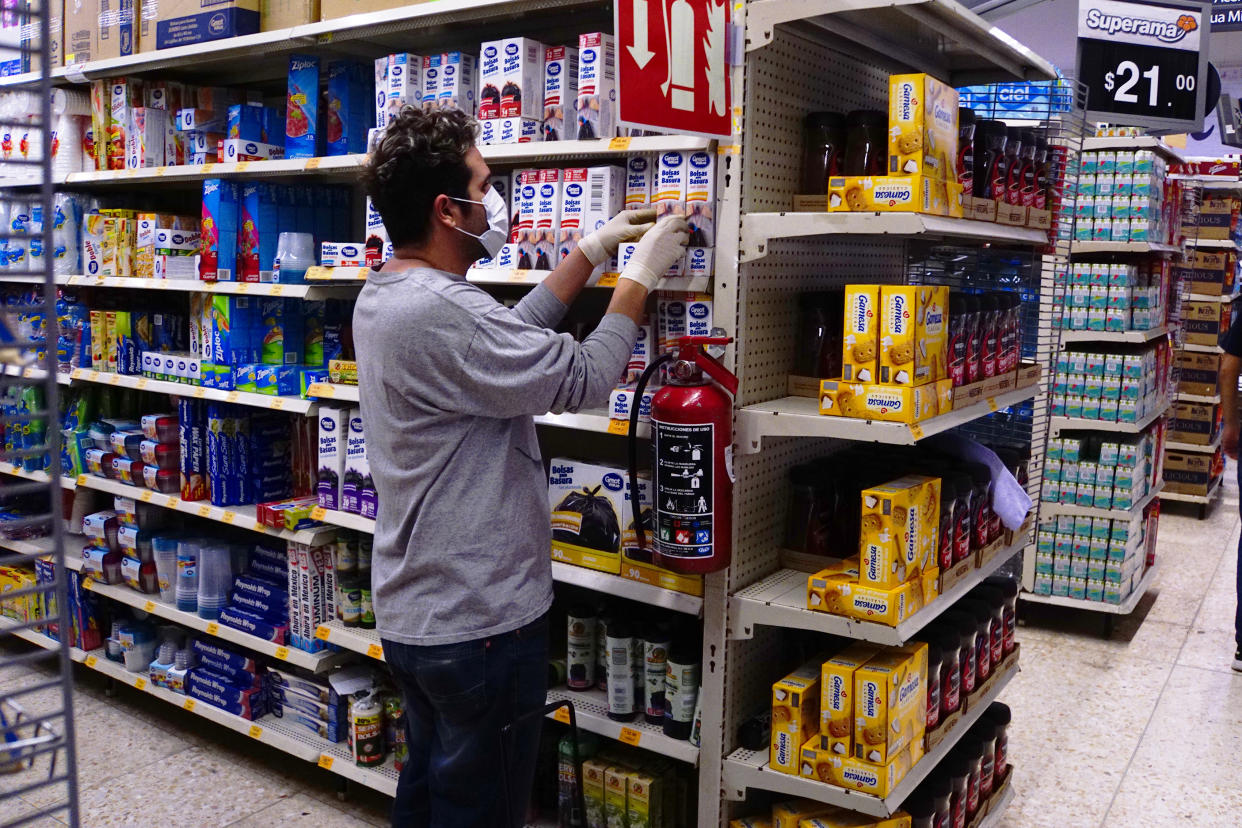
[
  {"x": 619, "y": 661},
  {"x": 366, "y": 729},
  {"x": 569, "y": 814},
  {"x": 681, "y": 689}
]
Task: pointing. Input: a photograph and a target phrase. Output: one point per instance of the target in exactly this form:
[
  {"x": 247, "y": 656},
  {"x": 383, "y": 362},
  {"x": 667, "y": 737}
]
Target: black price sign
[{"x": 1144, "y": 64}]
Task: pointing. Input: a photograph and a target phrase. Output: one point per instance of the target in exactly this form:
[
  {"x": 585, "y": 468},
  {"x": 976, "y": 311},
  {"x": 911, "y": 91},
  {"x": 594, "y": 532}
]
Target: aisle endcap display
[
  {"x": 1137, "y": 142},
  {"x": 1126, "y": 607},
  {"x": 1129, "y": 337}
]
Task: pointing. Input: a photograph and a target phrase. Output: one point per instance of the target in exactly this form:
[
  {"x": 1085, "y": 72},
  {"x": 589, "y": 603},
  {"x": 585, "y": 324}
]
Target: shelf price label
[
  {"x": 140, "y": 683},
  {"x": 90, "y": 661},
  {"x": 188, "y": 704},
  {"x": 1143, "y": 63},
  {"x": 318, "y": 513},
  {"x": 149, "y": 606},
  {"x": 561, "y": 715},
  {"x": 630, "y": 736},
  {"x": 375, "y": 651},
  {"x": 621, "y": 427},
  {"x": 213, "y": 628},
  {"x": 256, "y": 732},
  {"x": 282, "y": 653},
  {"x": 322, "y": 632},
  {"x": 325, "y": 761}
]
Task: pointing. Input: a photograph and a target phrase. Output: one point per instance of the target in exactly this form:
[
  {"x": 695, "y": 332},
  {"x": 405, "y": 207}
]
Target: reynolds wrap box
[
  {"x": 922, "y": 127},
  {"x": 913, "y": 333},
  {"x": 860, "y": 357}
]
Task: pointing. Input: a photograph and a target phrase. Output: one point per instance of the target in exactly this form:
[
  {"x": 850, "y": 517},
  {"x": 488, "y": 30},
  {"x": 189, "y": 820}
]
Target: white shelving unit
[
  {"x": 1180, "y": 497},
  {"x": 1124, "y": 608},
  {"x": 1203, "y": 349},
  {"x": 1213, "y": 244},
  {"x": 591, "y": 710},
  {"x": 1209, "y": 448},
  {"x": 290, "y": 291},
  {"x": 1199, "y": 398},
  {"x": 1059, "y": 424},
  {"x": 39, "y": 476},
  {"x": 1124, "y": 247},
  {"x": 1113, "y": 514},
  {"x": 1128, "y": 337},
  {"x": 1140, "y": 142},
  {"x": 1203, "y": 297},
  {"x": 292, "y": 405}
]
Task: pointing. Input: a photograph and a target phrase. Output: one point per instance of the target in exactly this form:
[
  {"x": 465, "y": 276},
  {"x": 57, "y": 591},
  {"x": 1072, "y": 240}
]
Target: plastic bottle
[
  {"x": 681, "y": 688},
  {"x": 966, "y": 629},
  {"x": 980, "y": 504},
  {"x": 1013, "y": 167},
  {"x": 1009, "y": 589},
  {"x": 958, "y": 339},
  {"x": 181, "y": 666},
  {"x": 958, "y": 768},
  {"x": 989, "y": 148},
  {"x": 974, "y": 338},
  {"x": 983, "y": 636},
  {"x": 966, "y": 149},
  {"x": 985, "y": 731},
  {"x": 603, "y": 619},
  {"x": 963, "y": 517},
  {"x": 922, "y": 810},
  {"x": 933, "y": 685},
  {"x": 999, "y": 715},
  {"x": 164, "y": 548},
  {"x": 366, "y": 619},
  {"x": 580, "y": 648},
  {"x": 989, "y": 320},
  {"x": 187, "y": 575},
  {"x": 366, "y": 730},
  {"x": 866, "y": 142},
  {"x": 567, "y": 774},
  {"x": 619, "y": 643},
  {"x": 1041, "y": 171},
  {"x": 995, "y": 601},
  {"x": 657, "y": 640},
  {"x": 971, "y": 750},
  {"x": 350, "y": 606},
  {"x": 944, "y": 540}
]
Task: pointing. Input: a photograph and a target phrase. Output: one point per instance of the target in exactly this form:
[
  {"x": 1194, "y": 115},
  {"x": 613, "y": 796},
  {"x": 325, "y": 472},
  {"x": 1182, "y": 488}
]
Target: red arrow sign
[{"x": 672, "y": 71}]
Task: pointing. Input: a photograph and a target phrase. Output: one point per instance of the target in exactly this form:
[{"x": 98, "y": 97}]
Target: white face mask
[{"x": 497, "y": 232}]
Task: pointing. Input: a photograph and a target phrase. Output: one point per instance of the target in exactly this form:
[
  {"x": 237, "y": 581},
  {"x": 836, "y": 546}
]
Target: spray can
[
  {"x": 580, "y": 648},
  {"x": 620, "y": 643},
  {"x": 366, "y": 730},
  {"x": 681, "y": 689},
  {"x": 656, "y": 644}
]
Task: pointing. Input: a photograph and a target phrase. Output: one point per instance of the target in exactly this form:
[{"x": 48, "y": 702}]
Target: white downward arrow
[{"x": 641, "y": 54}]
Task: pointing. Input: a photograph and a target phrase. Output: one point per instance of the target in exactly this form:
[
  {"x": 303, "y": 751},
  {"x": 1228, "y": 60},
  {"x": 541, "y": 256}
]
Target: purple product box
[{"x": 249, "y": 704}]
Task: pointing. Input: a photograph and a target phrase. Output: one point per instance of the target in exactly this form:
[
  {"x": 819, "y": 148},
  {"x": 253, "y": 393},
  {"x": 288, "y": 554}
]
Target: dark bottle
[
  {"x": 1013, "y": 166},
  {"x": 922, "y": 810},
  {"x": 959, "y": 781},
  {"x": 974, "y": 338},
  {"x": 958, "y": 339},
  {"x": 983, "y": 636},
  {"x": 580, "y": 656},
  {"x": 966, "y": 149},
  {"x": 681, "y": 689},
  {"x": 803, "y": 530},
  {"x": 603, "y": 619},
  {"x": 999, "y": 715},
  {"x": 989, "y": 316},
  {"x": 819, "y": 334},
  {"x": 934, "y": 658},
  {"x": 657, "y": 641},
  {"x": 1041, "y": 172},
  {"x": 963, "y": 517},
  {"x": 619, "y": 643},
  {"x": 967, "y": 629},
  {"x": 950, "y": 670},
  {"x": 1004, "y": 332},
  {"x": 985, "y": 731},
  {"x": 944, "y": 540},
  {"x": 990, "y": 169},
  {"x": 823, "y": 142},
  {"x": 866, "y": 142},
  {"x": 1029, "y": 173},
  {"x": 995, "y": 601},
  {"x": 1008, "y": 588},
  {"x": 980, "y": 504},
  {"x": 971, "y": 749}
]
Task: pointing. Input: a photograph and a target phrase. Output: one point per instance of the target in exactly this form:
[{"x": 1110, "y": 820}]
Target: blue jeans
[{"x": 457, "y": 699}]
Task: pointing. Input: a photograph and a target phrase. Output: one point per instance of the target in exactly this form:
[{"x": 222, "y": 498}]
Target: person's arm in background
[{"x": 1230, "y": 368}]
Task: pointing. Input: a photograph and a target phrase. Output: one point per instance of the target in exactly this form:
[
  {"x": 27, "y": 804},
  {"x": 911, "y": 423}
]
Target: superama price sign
[
  {"x": 672, "y": 69},
  {"x": 1144, "y": 64}
]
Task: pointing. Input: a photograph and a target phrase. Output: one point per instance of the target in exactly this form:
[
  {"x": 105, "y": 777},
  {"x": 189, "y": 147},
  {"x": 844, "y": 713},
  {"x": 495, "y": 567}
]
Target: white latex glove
[
  {"x": 625, "y": 226},
  {"x": 660, "y": 248}
]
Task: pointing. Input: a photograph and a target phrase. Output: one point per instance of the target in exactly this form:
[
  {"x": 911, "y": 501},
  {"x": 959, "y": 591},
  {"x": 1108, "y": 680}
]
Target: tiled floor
[{"x": 1140, "y": 728}]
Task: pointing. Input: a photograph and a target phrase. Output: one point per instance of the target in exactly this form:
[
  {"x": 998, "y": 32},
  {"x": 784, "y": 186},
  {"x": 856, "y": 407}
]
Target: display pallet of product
[
  {"x": 38, "y": 639},
  {"x": 346, "y": 520},
  {"x": 800, "y": 417},
  {"x": 196, "y": 286},
  {"x": 293, "y": 405},
  {"x": 1199, "y": 398},
  {"x": 243, "y": 517},
  {"x": 316, "y": 662},
  {"x": 1059, "y": 424},
  {"x": 1128, "y": 337},
  {"x": 745, "y": 769},
  {"x": 357, "y": 639},
  {"x": 1210, "y": 448},
  {"x": 1138, "y": 247},
  {"x": 1213, "y": 490},
  {"x": 591, "y": 712},
  {"x": 1046, "y": 509},
  {"x": 1139, "y": 142},
  {"x": 1124, "y": 608},
  {"x": 39, "y": 476},
  {"x": 779, "y": 600},
  {"x": 758, "y": 229},
  {"x": 1213, "y": 244}
]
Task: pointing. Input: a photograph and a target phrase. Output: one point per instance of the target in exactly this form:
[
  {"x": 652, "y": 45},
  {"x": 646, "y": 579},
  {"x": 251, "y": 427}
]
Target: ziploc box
[
  {"x": 560, "y": 93},
  {"x": 356, "y": 467},
  {"x": 795, "y": 715},
  {"x": 302, "y": 107},
  {"x": 597, "y": 77},
  {"x": 913, "y": 333},
  {"x": 898, "y": 530},
  {"x": 511, "y": 78},
  {"x": 890, "y": 702},
  {"x": 256, "y": 233},
  {"x": 922, "y": 126},
  {"x": 333, "y": 436},
  {"x": 860, "y": 355},
  {"x": 456, "y": 89},
  {"x": 219, "y": 231},
  {"x": 348, "y": 108},
  {"x": 836, "y": 699},
  {"x": 586, "y": 500}
]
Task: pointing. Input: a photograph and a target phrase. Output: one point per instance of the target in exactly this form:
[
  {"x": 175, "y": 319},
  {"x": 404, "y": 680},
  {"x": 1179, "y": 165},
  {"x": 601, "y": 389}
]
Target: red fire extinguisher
[{"x": 691, "y": 461}]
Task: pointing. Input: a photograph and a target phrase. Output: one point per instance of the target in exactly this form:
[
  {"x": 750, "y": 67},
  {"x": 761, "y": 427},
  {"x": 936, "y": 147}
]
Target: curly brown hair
[{"x": 420, "y": 155}]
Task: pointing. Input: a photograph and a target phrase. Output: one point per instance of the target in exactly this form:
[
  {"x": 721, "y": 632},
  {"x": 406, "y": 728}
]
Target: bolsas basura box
[
  {"x": 587, "y": 502},
  {"x": 890, "y": 703},
  {"x": 836, "y": 697},
  {"x": 795, "y": 715},
  {"x": 922, "y": 127},
  {"x": 913, "y": 334},
  {"x": 895, "y": 194},
  {"x": 886, "y": 403},
  {"x": 898, "y": 531}
]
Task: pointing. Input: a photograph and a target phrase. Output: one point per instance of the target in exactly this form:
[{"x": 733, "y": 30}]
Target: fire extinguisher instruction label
[{"x": 683, "y": 490}]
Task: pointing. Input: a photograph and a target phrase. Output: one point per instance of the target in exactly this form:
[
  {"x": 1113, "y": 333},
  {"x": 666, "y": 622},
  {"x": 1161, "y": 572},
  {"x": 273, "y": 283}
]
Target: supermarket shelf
[
  {"x": 243, "y": 517},
  {"x": 745, "y": 769},
  {"x": 996, "y": 811},
  {"x": 23, "y": 280},
  {"x": 357, "y": 639},
  {"x": 37, "y": 638},
  {"x": 1213, "y": 400},
  {"x": 1203, "y": 297},
  {"x": 1213, "y": 244},
  {"x": 591, "y": 711},
  {"x": 338, "y": 759},
  {"x": 294, "y": 405},
  {"x": 1203, "y": 349},
  {"x": 760, "y": 228},
  {"x": 333, "y": 391},
  {"x": 962, "y": 47},
  {"x": 779, "y": 600},
  {"x": 597, "y": 421},
  {"x": 1135, "y": 337},
  {"x": 346, "y": 520},
  {"x": 44, "y": 546},
  {"x": 800, "y": 417},
  {"x": 1210, "y": 448},
  {"x": 1124, "y": 608},
  {"x": 317, "y": 662},
  {"x": 39, "y": 476},
  {"x": 1142, "y": 142},
  {"x": 504, "y": 276},
  {"x": 196, "y": 286},
  {"x": 620, "y": 587},
  {"x": 1081, "y": 247},
  {"x": 1213, "y": 488},
  {"x": 1052, "y": 509},
  {"x": 1059, "y": 424}
]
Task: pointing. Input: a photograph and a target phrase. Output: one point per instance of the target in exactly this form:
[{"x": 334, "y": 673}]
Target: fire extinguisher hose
[{"x": 635, "y": 505}]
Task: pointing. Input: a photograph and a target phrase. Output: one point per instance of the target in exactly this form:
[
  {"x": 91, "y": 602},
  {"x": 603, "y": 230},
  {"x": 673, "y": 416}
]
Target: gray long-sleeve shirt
[{"x": 449, "y": 380}]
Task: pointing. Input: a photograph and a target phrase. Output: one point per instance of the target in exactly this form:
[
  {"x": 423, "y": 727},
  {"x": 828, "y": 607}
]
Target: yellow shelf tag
[
  {"x": 322, "y": 632},
  {"x": 609, "y": 279},
  {"x": 142, "y": 383},
  {"x": 278, "y": 404},
  {"x": 243, "y": 287},
  {"x": 206, "y": 168},
  {"x": 619, "y": 144},
  {"x": 325, "y": 761},
  {"x": 282, "y": 653},
  {"x": 619, "y": 427},
  {"x": 188, "y": 704},
  {"x": 173, "y": 502},
  {"x": 233, "y": 396},
  {"x": 561, "y": 715},
  {"x": 916, "y": 431},
  {"x": 318, "y": 513},
  {"x": 204, "y": 511},
  {"x": 277, "y": 290},
  {"x": 140, "y": 683},
  {"x": 81, "y": 480},
  {"x": 630, "y": 736},
  {"x": 255, "y": 731},
  {"x": 90, "y": 661},
  {"x": 519, "y": 276},
  {"x": 199, "y": 393},
  {"x": 213, "y": 628},
  {"x": 149, "y": 606},
  {"x": 241, "y": 166},
  {"x": 375, "y": 651},
  {"x": 146, "y": 496},
  {"x": 229, "y": 517},
  {"x": 92, "y": 376},
  {"x": 312, "y": 164},
  {"x": 992, "y": 403}
]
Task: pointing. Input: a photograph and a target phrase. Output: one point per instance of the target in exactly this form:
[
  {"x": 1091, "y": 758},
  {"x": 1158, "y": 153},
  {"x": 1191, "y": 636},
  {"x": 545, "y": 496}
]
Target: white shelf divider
[
  {"x": 346, "y": 520},
  {"x": 357, "y": 639},
  {"x": 1085, "y": 247},
  {"x": 1140, "y": 142}
]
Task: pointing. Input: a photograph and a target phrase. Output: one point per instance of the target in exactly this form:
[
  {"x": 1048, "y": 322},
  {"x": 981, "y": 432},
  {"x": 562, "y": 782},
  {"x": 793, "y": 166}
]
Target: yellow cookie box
[
  {"x": 795, "y": 715},
  {"x": 827, "y": 590},
  {"x": 895, "y": 194},
  {"x": 890, "y": 703},
  {"x": 858, "y": 775},
  {"x": 898, "y": 534},
  {"x": 850, "y": 819},
  {"x": 892, "y": 606},
  {"x": 750, "y": 822},
  {"x": 885, "y": 403},
  {"x": 790, "y": 814},
  {"x": 861, "y": 333},
  {"x": 836, "y": 697},
  {"x": 913, "y": 334},
  {"x": 922, "y": 127}
]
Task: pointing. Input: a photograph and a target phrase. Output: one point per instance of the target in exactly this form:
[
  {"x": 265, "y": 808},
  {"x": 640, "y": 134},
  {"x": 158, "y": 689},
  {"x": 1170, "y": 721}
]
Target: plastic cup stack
[
  {"x": 215, "y": 577},
  {"x": 188, "y": 553},
  {"x": 165, "y": 549}
]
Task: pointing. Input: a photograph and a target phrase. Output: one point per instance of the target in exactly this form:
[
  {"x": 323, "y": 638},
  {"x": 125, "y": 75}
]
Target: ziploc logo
[
  {"x": 906, "y": 101},
  {"x": 899, "y": 315},
  {"x": 613, "y": 482},
  {"x": 574, "y": 191},
  {"x": 299, "y": 65},
  {"x": 870, "y": 699},
  {"x": 1162, "y": 30},
  {"x": 210, "y": 187}
]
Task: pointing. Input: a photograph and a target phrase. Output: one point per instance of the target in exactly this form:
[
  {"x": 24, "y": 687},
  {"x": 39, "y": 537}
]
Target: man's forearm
[
  {"x": 1230, "y": 368},
  {"x": 570, "y": 276}
]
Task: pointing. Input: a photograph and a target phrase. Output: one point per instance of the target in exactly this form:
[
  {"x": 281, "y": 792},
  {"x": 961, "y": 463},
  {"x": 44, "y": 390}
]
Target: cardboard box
[
  {"x": 283, "y": 14},
  {"x": 511, "y": 78},
  {"x": 890, "y": 703},
  {"x": 1188, "y": 472},
  {"x": 99, "y": 29},
  {"x": 890, "y": 607},
  {"x": 922, "y": 127},
  {"x": 828, "y": 589},
  {"x": 1193, "y": 423},
  {"x": 792, "y": 813},
  {"x": 898, "y": 530},
  {"x": 886, "y": 403},
  {"x": 1197, "y": 373},
  {"x": 1217, "y": 218},
  {"x": 876, "y": 779},
  {"x": 181, "y": 22},
  {"x": 836, "y": 697},
  {"x": 1212, "y": 272},
  {"x": 860, "y": 356},
  {"x": 332, "y": 9},
  {"x": 597, "y": 78},
  {"x": 588, "y": 506},
  {"x": 895, "y": 194},
  {"x": 1205, "y": 322},
  {"x": 913, "y": 334},
  {"x": 795, "y": 715}
]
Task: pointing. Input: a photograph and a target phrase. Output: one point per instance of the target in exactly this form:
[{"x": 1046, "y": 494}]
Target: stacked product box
[
  {"x": 1114, "y": 297},
  {"x": 1122, "y": 197},
  {"x": 1123, "y": 387},
  {"x": 1092, "y": 473},
  {"x": 311, "y": 591},
  {"x": 344, "y": 478},
  {"x": 1209, "y": 272},
  {"x": 227, "y": 679},
  {"x": 307, "y": 702},
  {"x": 1095, "y": 559},
  {"x": 1216, "y": 219}
]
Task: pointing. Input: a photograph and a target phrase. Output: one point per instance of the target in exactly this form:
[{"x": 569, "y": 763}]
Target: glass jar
[
  {"x": 995, "y": 601},
  {"x": 963, "y": 517},
  {"x": 971, "y": 750},
  {"x": 1009, "y": 589},
  {"x": 933, "y": 685},
  {"x": 823, "y": 150},
  {"x": 950, "y": 671},
  {"x": 966, "y": 628},
  {"x": 983, "y": 637},
  {"x": 957, "y": 339},
  {"x": 999, "y": 715},
  {"x": 980, "y": 498},
  {"x": 819, "y": 334},
  {"x": 1013, "y": 165},
  {"x": 989, "y": 322},
  {"x": 985, "y": 731},
  {"x": 959, "y": 782},
  {"x": 973, "y": 332},
  {"x": 944, "y": 541},
  {"x": 866, "y": 142},
  {"x": 966, "y": 149},
  {"x": 989, "y": 149}
]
